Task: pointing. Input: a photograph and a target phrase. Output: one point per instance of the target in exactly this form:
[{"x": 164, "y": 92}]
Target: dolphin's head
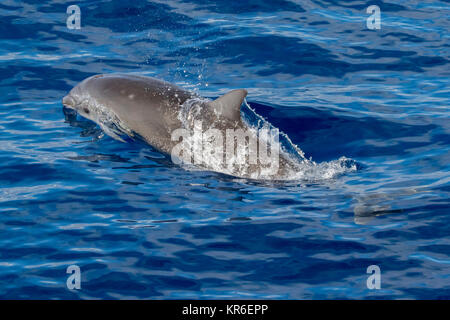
[{"x": 78, "y": 99}]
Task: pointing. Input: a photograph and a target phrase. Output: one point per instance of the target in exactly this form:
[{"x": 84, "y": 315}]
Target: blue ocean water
[{"x": 139, "y": 226}]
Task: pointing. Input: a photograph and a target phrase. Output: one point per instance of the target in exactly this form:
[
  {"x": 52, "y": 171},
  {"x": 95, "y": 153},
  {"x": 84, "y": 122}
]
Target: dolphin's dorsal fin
[{"x": 229, "y": 105}]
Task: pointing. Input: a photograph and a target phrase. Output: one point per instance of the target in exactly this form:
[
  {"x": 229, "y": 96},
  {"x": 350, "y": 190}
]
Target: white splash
[{"x": 296, "y": 165}]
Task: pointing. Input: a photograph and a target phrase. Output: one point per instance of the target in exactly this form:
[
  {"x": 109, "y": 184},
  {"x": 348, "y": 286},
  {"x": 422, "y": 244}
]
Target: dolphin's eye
[{"x": 86, "y": 110}]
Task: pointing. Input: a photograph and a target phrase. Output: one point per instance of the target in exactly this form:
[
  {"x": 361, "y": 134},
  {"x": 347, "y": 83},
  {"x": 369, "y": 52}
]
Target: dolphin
[{"x": 150, "y": 109}]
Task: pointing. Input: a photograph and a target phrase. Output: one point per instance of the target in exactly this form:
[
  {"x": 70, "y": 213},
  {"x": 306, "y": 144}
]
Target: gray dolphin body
[{"x": 151, "y": 108}]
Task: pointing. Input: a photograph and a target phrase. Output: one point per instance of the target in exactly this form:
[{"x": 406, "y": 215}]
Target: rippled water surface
[{"x": 139, "y": 226}]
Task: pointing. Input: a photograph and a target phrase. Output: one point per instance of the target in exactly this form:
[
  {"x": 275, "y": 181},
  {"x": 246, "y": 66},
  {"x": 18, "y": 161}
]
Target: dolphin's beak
[{"x": 69, "y": 102}]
